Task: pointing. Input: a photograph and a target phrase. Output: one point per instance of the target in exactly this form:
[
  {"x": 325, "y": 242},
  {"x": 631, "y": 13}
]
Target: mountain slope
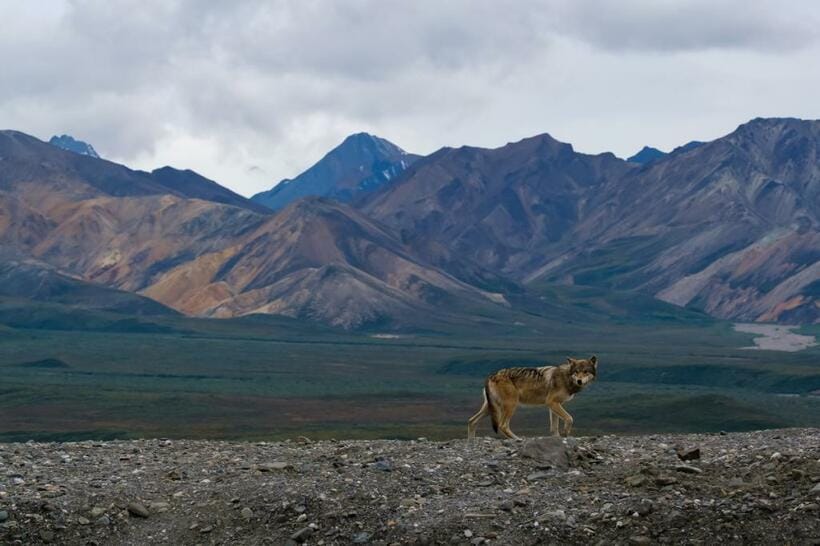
[
  {"x": 360, "y": 164},
  {"x": 35, "y": 281},
  {"x": 191, "y": 184},
  {"x": 494, "y": 207},
  {"x": 44, "y": 176},
  {"x": 729, "y": 227},
  {"x": 316, "y": 259}
]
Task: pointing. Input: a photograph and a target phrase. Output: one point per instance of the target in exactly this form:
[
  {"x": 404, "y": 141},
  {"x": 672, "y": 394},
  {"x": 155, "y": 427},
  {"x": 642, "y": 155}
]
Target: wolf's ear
[{"x": 594, "y": 360}]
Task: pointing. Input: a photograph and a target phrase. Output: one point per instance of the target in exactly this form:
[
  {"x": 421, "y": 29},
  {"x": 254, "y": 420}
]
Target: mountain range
[{"x": 374, "y": 237}]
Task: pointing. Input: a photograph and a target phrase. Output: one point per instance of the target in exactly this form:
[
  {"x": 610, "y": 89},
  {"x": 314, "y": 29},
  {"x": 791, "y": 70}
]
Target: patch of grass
[{"x": 270, "y": 377}]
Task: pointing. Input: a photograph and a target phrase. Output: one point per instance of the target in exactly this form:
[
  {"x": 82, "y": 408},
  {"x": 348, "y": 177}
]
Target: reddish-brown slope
[{"x": 318, "y": 259}]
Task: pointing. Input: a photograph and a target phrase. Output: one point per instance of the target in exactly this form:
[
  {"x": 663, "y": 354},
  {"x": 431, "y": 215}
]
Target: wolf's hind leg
[
  {"x": 473, "y": 422},
  {"x": 510, "y": 406},
  {"x": 505, "y": 429}
]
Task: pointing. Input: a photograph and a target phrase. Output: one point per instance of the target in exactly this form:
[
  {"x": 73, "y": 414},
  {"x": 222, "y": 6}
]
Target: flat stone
[
  {"x": 137, "y": 509},
  {"x": 797, "y": 474},
  {"x": 665, "y": 480},
  {"x": 635, "y": 481},
  {"x": 643, "y": 508},
  {"x": 360, "y": 538},
  {"x": 302, "y": 534},
  {"x": 538, "y": 476},
  {"x": 557, "y": 514},
  {"x": 384, "y": 465},
  {"x": 689, "y": 454},
  {"x": 269, "y": 467},
  {"x": 688, "y": 469},
  {"x": 159, "y": 506}
]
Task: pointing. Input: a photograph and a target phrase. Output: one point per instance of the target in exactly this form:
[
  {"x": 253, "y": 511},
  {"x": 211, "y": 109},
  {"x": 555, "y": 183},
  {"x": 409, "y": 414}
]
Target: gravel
[{"x": 751, "y": 488}]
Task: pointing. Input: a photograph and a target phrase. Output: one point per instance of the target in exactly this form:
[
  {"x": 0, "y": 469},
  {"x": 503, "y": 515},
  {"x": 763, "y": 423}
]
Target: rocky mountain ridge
[{"x": 67, "y": 142}]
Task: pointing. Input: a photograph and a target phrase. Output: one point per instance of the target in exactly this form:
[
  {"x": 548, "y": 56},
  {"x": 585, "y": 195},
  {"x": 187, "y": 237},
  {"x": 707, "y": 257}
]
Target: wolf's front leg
[
  {"x": 555, "y": 423},
  {"x": 562, "y": 413}
]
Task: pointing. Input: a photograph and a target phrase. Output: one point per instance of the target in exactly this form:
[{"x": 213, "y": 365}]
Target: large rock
[{"x": 552, "y": 452}]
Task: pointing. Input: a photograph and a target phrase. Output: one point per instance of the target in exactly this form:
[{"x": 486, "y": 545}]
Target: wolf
[{"x": 550, "y": 386}]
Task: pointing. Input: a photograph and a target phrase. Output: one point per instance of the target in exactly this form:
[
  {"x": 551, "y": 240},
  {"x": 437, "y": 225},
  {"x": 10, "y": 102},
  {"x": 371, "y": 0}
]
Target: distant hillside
[
  {"x": 26, "y": 279},
  {"x": 360, "y": 164}
]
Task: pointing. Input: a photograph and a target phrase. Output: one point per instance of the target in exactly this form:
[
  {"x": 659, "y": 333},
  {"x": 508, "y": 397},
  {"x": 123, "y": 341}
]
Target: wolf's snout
[{"x": 579, "y": 381}]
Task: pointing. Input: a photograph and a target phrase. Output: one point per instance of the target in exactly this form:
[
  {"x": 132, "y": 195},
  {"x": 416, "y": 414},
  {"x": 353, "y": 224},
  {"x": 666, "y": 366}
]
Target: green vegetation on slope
[{"x": 269, "y": 377}]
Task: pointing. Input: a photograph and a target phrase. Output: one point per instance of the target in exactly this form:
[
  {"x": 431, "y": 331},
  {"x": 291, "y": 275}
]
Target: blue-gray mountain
[
  {"x": 360, "y": 164},
  {"x": 67, "y": 142},
  {"x": 647, "y": 154}
]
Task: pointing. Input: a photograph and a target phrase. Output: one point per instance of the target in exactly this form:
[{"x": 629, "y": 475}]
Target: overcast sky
[{"x": 250, "y": 92}]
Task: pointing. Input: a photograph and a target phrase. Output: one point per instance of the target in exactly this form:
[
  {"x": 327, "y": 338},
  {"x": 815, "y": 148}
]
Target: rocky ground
[{"x": 750, "y": 488}]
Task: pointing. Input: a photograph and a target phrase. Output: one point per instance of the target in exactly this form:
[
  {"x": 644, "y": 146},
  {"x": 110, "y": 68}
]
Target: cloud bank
[{"x": 250, "y": 92}]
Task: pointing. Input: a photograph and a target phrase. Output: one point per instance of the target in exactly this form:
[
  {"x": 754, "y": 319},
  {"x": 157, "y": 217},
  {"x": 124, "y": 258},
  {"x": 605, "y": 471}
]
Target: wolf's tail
[{"x": 490, "y": 406}]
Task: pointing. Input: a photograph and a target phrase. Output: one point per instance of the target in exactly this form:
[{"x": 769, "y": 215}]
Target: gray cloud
[
  {"x": 222, "y": 87},
  {"x": 695, "y": 25}
]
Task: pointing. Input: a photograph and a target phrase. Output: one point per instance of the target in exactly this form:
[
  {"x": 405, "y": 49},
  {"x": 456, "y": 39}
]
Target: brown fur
[{"x": 549, "y": 386}]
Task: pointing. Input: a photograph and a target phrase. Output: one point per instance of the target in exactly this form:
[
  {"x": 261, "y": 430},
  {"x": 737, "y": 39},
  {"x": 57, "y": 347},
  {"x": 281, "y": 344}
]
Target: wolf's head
[{"x": 583, "y": 371}]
